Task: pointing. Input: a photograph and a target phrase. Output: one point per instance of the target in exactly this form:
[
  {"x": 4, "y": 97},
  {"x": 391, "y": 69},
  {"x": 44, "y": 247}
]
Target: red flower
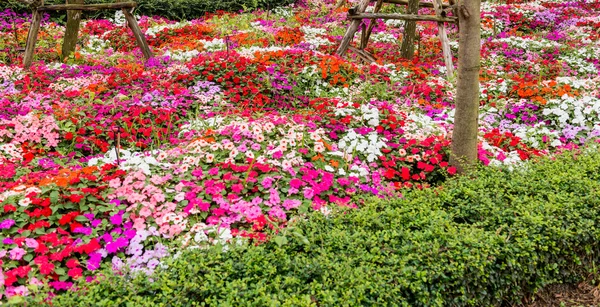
[
  {"x": 75, "y": 273},
  {"x": 46, "y": 268},
  {"x": 452, "y": 170},
  {"x": 69, "y": 136},
  {"x": 72, "y": 263},
  {"x": 76, "y": 198},
  {"x": 405, "y": 174}
]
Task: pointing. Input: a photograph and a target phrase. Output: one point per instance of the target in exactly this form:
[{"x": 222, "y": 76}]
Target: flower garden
[{"x": 243, "y": 123}]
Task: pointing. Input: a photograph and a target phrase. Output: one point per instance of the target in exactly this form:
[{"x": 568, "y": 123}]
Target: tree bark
[
  {"x": 464, "y": 137},
  {"x": 407, "y": 50},
  {"x": 72, "y": 30},
  {"x": 36, "y": 20},
  {"x": 362, "y": 6}
]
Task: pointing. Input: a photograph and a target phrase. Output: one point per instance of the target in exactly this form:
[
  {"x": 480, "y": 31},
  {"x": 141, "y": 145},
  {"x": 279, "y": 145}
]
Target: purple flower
[
  {"x": 8, "y": 241},
  {"x": 94, "y": 261},
  {"x": 117, "y": 219},
  {"x": 6, "y": 224},
  {"x": 119, "y": 243},
  {"x": 84, "y": 230}
]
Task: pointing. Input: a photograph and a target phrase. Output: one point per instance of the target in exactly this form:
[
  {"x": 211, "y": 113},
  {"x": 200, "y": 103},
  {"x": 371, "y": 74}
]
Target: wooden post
[
  {"x": 371, "y": 25},
  {"x": 444, "y": 40},
  {"x": 72, "y": 30},
  {"x": 36, "y": 21},
  {"x": 407, "y": 50},
  {"x": 362, "y": 6},
  {"x": 137, "y": 32}
]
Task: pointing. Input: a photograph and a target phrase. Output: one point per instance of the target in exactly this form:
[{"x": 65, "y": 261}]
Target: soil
[{"x": 584, "y": 294}]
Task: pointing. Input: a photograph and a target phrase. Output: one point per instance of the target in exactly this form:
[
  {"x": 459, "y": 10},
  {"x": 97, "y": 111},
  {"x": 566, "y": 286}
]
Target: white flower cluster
[
  {"x": 369, "y": 145},
  {"x": 583, "y": 112},
  {"x": 384, "y": 37},
  {"x": 95, "y": 45},
  {"x": 10, "y": 152},
  {"x": 312, "y": 36},
  {"x": 181, "y": 55},
  {"x": 152, "y": 31},
  {"x": 215, "y": 44},
  {"x": 418, "y": 126},
  {"x": 580, "y": 64},
  {"x": 201, "y": 236},
  {"x": 528, "y": 43},
  {"x": 128, "y": 160}
]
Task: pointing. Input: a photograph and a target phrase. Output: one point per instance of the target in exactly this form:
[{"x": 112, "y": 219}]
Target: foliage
[
  {"x": 487, "y": 239},
  {"x": 172, "y": 9}
]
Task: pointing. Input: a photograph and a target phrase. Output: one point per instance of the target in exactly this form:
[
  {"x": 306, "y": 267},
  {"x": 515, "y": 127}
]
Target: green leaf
[
  {"x": 280, "y": 240},
  {"x": 28, "y": 257},
  {"x": 54, "y": 196}
]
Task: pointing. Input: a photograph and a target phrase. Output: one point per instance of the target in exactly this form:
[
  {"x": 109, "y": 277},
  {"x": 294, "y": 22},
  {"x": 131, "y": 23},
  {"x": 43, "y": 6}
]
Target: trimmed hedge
[
  {"x": 172, "y": 9},
  {"x": 485, "y": 240}
]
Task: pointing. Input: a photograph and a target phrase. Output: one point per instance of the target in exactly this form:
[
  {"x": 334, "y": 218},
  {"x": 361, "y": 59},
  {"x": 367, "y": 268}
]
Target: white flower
[
  {"x": 24, "y": 202},
  {"x": 210, "y": 158}
]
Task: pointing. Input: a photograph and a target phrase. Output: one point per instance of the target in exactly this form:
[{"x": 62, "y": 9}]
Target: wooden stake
[
  {"x": 36, "y": 21},
  {"x": 88, "y": 7},
  {"x": 371, "y": 25},
  {"x": 137, "y": 32},
  {"x": 444, "y": 40},
  {"x": 407, "y": 17},
  {"x": 72, "y": 30},
  {"x": 405, "y": 2},
  {"x": 352, "y": 29}
]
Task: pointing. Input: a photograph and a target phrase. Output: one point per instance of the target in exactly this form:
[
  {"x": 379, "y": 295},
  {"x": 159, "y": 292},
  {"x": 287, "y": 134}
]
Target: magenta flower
[
  {"x": 295, "y": 183},
  {"x": 117, "y": 219},
  {"x": 6, "y": 224}
]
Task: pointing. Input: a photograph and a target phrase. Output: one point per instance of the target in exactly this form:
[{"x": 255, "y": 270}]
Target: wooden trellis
[
  {"x": 74, "y": 8},
  {"x": 358, "y": 13}
]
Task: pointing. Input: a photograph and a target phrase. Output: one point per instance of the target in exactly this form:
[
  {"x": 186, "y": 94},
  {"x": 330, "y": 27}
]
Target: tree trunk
[
  {"x": 72, "y": 30},
  {"x": 407, "y": 50},
  {"x": 464, "y": 137}
]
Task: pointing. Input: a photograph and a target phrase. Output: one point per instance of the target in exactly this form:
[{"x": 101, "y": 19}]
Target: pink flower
[
  {"x": 17, "y": 253},
  {"x": 276, "y": 212},
  {"x": 309, "y": 193},
  {"x": 289, "y": 204},
  {"x": 213, "y": 171},
  {"x": 274, "y": 197},
  {"x": 267, "y": 182},
  {"x": 115, "y": 183},
  {"x": 31, "y": 243}
]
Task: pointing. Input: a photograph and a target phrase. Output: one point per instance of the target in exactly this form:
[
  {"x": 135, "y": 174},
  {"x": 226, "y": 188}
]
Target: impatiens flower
[
  {"x": 116, "y": 219},
  {"x": 75, "y": 272},
  {"x": 60, "y": 285},
  {"x": 289, "y": 204},
  {"x": 31, "y": 243},
  {"x": 6, "y": 224},
  {"x": 296, "y": 183},
  {"x": 17, "y": 253}
]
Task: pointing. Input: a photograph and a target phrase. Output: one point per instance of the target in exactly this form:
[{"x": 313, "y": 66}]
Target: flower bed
[{"x": 243, "y": 122}]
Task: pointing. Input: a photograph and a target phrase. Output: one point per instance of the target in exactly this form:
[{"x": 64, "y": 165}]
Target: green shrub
[
  {"x": 173, "y": 9},
  {"x": 484, "y": 240}
]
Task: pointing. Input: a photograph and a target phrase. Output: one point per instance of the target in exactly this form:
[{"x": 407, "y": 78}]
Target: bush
[
  {"x": 173, "y": 9},
  {"x": 488, "y": 239}
]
